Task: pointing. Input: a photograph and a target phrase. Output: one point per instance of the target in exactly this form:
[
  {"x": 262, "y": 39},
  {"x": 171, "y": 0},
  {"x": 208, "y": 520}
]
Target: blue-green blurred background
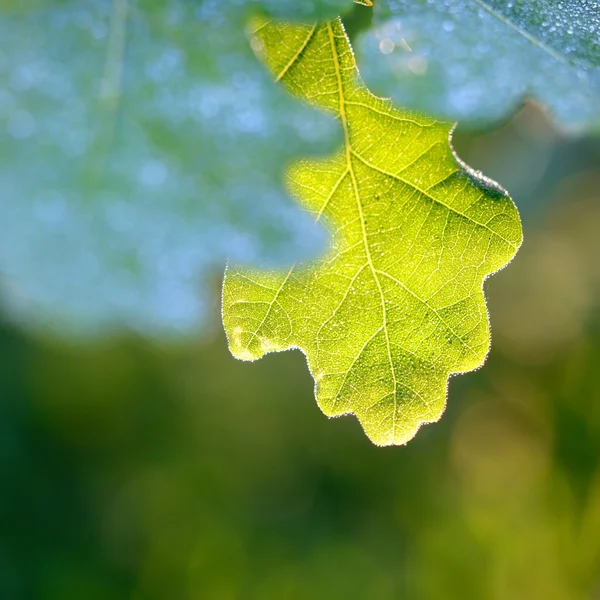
[{"x": 131, "y": 470}]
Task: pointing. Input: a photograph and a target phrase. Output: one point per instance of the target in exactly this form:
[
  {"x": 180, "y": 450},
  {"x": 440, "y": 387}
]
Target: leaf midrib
[{"x": 350, "y": 169}]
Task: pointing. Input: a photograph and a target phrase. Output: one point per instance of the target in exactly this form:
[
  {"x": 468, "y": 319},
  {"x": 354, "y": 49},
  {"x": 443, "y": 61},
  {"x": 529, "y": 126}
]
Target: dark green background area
[{"x": 134, "y": 471}]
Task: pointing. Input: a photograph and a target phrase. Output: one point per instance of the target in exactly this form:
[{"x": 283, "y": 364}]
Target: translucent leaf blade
[{"x": 397, "y": 305}]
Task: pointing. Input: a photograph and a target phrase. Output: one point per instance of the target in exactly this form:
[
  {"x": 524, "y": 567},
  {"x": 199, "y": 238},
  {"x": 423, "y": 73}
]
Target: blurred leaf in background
[
  {"x": 143, "y": 144},
  {"x": 135, "y": 471},
  {"x": 476, "y": 60}
]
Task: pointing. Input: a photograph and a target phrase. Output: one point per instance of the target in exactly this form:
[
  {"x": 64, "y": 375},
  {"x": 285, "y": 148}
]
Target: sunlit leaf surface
[
  {"x": 142, "y": 144},
  {"x": 396, "y": 306},
  {"x": 476, "y": 60}
]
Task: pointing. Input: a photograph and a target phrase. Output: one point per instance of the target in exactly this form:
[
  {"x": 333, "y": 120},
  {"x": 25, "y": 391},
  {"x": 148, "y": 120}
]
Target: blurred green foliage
[{"x": 135, "y": 471}]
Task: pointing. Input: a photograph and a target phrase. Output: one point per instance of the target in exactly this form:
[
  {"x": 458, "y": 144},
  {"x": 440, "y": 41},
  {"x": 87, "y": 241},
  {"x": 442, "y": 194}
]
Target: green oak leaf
[
  {"x": 396, "y": 306},
  {"x": 476, "y": 60},
  {"x": 142, "y": 144}
]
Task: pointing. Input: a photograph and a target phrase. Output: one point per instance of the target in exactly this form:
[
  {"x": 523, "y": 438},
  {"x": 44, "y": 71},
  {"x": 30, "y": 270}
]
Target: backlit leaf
[{"x": 397, "y": 305}]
